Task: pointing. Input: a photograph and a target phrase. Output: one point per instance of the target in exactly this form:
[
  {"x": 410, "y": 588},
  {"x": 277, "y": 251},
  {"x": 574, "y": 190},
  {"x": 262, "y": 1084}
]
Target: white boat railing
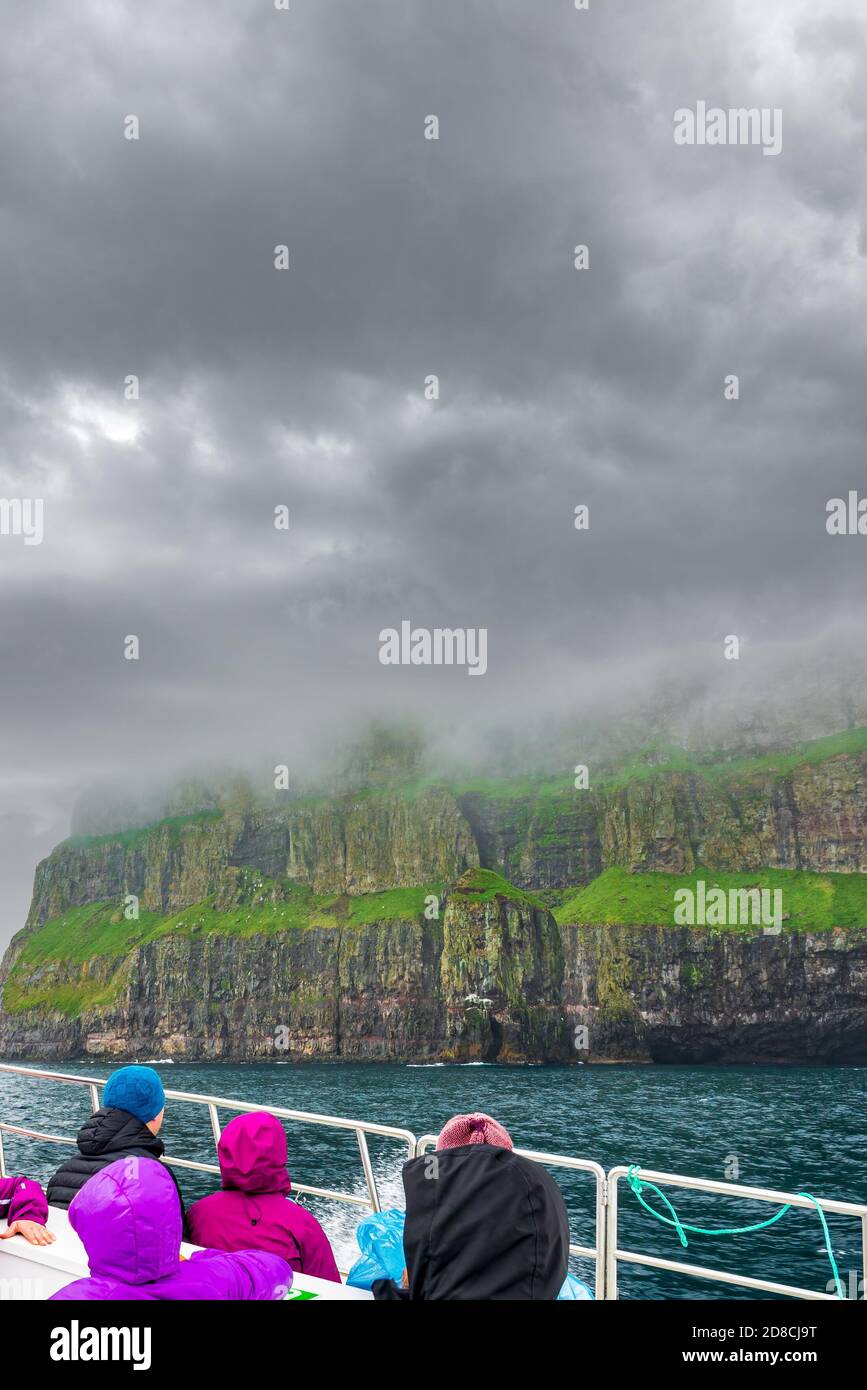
[
  {"x": 596, "y": 1251},
  {"x": 605, "y": 1250},
  {"x": 214, "y": 1104},
  {"x": 614, "y": 1255}
]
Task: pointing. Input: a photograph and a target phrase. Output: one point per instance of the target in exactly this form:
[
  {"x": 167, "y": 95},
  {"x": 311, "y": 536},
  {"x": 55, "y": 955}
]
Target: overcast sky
[{"x": 410, "y": 257}]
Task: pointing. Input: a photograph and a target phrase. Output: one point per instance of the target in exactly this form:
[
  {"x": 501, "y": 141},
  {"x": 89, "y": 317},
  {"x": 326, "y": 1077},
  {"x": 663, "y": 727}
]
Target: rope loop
[{"x": 637, "y": 1186}]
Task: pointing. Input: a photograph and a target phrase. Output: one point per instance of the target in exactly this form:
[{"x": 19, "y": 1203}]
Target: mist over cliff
[
  {"x": 397, "y": 915},
  {"x": 771, "y": 699}
]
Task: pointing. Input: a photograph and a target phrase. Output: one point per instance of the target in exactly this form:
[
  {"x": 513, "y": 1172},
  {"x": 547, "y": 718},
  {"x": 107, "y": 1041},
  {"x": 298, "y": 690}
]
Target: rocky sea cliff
[{"x": 493, "y": 921}]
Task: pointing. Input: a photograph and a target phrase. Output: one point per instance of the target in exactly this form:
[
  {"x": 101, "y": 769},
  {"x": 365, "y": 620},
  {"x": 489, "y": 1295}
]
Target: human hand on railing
[{"x": 32, "y": 1232}]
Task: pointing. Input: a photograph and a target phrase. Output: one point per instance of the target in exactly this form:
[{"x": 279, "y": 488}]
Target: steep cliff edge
[
  {"x": 797, "y": 810},
  {"x": 493, "y": 921},
  {"x": 501, "y": 974},
  {"x": 362, "y": 843},
  {"x": 659, "y": 994},
  {"x": 280, "y": 971}
]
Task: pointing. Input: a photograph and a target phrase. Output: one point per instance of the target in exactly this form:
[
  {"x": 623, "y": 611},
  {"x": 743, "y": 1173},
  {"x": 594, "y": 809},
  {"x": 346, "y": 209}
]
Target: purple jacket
[
  {"x": 22, "y": 1199},
  {"x": 254, "y": 1207},
  {"x": 129, "y": 1218}
]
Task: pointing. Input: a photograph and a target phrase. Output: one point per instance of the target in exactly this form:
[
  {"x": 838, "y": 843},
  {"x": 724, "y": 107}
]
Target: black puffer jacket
[
  {"x": 108, "y": 1135},
  {"x": 481, "y": 1223}
]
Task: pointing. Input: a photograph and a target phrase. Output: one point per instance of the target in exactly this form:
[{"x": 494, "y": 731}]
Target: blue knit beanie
[{"x": 137, "y": 1090}]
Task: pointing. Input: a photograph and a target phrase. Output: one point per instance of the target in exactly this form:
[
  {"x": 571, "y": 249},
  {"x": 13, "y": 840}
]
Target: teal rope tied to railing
[{"x": 637, "y": 1186}]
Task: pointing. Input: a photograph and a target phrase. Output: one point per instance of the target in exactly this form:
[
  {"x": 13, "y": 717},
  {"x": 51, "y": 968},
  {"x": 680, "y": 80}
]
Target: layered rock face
[
  {"x": 659, "y": 994},
  {"x": 361, "y": 844},
  {"x": 814, "y": 817},
  {"x": 537, "y": 841},
  {"x": 409, "y": 925},
  {"x": 317, "y": 993},
  {"x": 501, "y": 977},
  {"x": 482, "y": 984}
]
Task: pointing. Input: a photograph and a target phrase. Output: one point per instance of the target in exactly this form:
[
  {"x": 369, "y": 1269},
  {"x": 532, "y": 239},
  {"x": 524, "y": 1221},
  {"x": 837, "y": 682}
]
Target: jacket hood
[
  {"x": 110, "y": 1129},
  {"x": 252, "y": 1152},
  {"x": 483, "y": 1222},
  {"x": 128, "y": 1217}
]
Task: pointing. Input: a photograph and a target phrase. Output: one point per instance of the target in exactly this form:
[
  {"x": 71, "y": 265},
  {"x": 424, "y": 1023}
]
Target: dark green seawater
[{"x": 791, "y": 1128}]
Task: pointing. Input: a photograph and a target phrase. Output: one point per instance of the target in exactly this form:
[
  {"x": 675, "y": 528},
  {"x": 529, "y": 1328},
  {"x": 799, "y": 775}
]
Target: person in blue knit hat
[
  {"x": 138, "y": 1091},
  {"x": 125, "y": 1126}
]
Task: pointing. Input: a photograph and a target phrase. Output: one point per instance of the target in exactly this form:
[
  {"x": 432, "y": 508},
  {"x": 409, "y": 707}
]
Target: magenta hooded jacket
[
  {"x": 128, "y": 1217},
  {"x": 253, "y": 1208},
  {"x": 22, "y": 1199}
]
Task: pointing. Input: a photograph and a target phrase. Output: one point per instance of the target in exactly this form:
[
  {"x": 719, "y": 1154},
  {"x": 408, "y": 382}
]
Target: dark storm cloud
[{"x": 411, "y": 257}]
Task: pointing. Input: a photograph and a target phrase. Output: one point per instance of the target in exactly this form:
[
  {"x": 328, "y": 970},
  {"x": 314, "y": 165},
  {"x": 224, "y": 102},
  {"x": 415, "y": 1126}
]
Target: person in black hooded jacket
[
  {"x": 482, "y": 1222},
  {"x": 126, "y": 1126}
]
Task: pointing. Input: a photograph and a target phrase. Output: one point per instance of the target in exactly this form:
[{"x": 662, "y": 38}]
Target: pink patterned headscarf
[{"x": 473, "y": 1129}]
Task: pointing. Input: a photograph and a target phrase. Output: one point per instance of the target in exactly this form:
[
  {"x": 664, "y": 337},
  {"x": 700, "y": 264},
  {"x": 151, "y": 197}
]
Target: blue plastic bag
[
  {"x": 380, "y": 1240},
  {"x": 574, "y": 1291}
]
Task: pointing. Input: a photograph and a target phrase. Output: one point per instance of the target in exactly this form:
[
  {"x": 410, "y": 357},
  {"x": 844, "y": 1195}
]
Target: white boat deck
[{"x": 38, "y": 1271}]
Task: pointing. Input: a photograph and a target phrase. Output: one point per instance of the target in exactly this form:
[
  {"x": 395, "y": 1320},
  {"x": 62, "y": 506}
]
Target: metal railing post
[
  {"x": 601, "y": 1239},
  {"x": 611, "y": 1241},
  {"x": 215, "y": 1124},
  {"x": 368, "y": 1169}
]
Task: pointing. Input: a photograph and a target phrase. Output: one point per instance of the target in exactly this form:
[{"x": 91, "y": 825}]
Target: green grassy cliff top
[{"x": 809, "y": 901}]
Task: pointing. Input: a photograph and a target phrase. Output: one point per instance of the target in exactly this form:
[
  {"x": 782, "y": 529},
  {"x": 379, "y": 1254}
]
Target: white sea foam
[{"x": 341, "y": 1220}]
